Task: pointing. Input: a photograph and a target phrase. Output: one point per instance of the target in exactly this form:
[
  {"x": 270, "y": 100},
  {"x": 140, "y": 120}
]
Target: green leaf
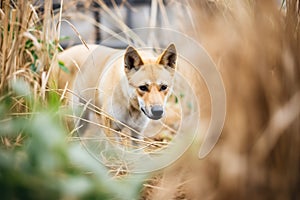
[
  {"x": 28, "y": 44},
  {"x": 63, "y": 67},
  {"x": 176, "y": 99},
  {"x": 64, "y": 38},
  {"x": 33, "y": 67},
  {"x": 53, "y": 101}
]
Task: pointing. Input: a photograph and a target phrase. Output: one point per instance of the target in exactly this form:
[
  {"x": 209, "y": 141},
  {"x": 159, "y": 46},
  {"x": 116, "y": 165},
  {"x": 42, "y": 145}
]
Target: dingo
[{"x": 128, "y": 85}]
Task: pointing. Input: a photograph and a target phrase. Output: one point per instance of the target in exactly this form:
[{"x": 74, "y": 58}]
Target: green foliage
[
  {"x": 30, "y": 47},
  {"x": 45, "y": 165},
  {"x": 62, "y": 65}
]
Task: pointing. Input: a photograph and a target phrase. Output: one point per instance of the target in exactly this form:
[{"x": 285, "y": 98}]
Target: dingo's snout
[{"x": 157, "y": 111}]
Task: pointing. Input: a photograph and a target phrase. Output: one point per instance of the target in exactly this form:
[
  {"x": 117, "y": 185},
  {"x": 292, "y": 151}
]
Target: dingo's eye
[
  {"x": 163, "y": 87},
  {"x": 143, "y": 88}
]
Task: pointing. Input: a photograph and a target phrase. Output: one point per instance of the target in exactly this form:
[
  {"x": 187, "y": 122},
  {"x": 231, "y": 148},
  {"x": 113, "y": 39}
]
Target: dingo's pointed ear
[
  {"x": 168, "y": 57},
  {"x": 132, "y": 59}
]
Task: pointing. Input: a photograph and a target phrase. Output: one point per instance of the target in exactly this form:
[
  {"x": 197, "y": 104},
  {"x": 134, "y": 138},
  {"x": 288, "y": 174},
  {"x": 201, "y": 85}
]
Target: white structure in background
[{"x": 133, "y": 13}]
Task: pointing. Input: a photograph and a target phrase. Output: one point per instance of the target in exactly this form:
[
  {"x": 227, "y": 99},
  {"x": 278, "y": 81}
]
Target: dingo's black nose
[{"x": 157, "y": 111}]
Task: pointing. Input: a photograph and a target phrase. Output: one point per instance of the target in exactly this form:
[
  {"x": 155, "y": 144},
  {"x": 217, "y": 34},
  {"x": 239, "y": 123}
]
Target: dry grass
[
  {"x": 27, "y": 47},
  {"x": 28, "y": 44},
  {"x": 256, "y": 47}
]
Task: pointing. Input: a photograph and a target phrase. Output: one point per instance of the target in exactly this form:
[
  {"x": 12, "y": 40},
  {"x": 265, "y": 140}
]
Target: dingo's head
[{"x": 151, "y": 81}]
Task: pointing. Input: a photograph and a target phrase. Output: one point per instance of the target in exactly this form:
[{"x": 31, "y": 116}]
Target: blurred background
[
  {"x": 255, "y": 46},
  {"x": 96, "y": 21}
]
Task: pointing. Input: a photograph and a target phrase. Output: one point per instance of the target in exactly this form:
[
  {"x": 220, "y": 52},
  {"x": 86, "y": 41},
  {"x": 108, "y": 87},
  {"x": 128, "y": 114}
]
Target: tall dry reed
[
  {"x": 256, "y": 46},
  {"x": 28, "y": 44}
]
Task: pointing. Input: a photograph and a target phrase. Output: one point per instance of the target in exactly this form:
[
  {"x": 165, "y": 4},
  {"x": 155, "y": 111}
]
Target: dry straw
[
  {"x": 28, "y": 44},
  {"x": 256, "y": 45}
]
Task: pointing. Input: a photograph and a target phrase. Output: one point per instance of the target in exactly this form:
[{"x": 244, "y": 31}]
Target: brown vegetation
[{"x": 255, "y": 45}]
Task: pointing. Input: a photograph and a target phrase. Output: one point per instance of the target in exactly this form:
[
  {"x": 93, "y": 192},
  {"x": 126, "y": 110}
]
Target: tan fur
[{"x": 113, "y": 80}]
